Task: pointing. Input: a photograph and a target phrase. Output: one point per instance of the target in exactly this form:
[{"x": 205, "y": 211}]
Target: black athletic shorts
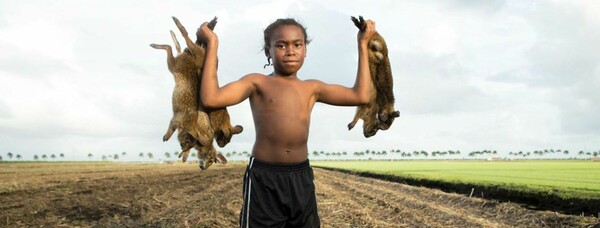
[{"x": 279, "y": 196}]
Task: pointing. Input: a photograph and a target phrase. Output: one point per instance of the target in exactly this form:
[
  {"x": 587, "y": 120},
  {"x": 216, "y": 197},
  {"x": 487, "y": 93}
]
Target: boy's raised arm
[
  {"x": 360, "y": 93},
  {"x": 211, "y": 95},
  {"x": 363, "y": 83}
]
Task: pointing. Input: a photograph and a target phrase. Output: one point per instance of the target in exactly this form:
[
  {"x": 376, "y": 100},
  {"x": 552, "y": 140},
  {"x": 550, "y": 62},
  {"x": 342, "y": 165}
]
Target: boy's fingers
[{"x": 370, "y": 24}]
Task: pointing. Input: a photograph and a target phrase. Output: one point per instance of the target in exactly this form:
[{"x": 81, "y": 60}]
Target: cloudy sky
[{"x": 79, "y": 77}]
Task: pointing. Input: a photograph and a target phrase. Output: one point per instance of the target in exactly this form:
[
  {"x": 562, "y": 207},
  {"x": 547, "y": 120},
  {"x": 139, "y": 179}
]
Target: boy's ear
[{"x": 305, "y": 51}]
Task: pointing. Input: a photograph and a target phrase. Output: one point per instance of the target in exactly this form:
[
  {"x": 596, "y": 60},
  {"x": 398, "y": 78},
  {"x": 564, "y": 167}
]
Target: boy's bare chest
[{"x": 285, "y": 94}]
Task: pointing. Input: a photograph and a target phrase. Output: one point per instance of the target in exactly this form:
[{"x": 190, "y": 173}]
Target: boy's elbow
[
  {"x": 363, "y": 100},
  {"x": 208, "y": 102},
  {"x": 362, "y": 96}
]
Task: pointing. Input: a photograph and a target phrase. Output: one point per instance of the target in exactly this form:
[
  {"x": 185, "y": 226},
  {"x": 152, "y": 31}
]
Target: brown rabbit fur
[
  {"x": 196, "y": 126},
  {"x": 379, "y": 113}
]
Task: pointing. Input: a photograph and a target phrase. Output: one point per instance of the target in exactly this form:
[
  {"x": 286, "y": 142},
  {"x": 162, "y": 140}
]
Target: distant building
[{"x": 494, "y": 159}]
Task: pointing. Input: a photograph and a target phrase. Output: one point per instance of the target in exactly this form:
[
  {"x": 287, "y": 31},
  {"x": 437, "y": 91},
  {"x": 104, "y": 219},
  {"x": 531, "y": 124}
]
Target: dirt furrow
[
  {"x": 217, "y": 204},
  {"x": 400, "y": 208},
  {"x": 390, "y": 198},
  {"x": 341, "y": 209},
  {"x": 376, "y": 210}
]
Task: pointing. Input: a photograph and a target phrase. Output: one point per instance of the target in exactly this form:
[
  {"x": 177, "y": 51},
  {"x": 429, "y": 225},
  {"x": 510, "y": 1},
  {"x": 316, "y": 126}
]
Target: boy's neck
[{"x": 278, "y": 75}]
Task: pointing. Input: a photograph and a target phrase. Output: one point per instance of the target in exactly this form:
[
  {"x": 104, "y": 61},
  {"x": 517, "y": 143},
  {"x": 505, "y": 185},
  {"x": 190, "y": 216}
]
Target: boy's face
[{"x": 287, "y": 49}]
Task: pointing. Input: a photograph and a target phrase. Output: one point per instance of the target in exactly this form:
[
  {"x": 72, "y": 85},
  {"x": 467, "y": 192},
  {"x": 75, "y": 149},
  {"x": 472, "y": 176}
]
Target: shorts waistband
[{"x": 279, "y": 167}]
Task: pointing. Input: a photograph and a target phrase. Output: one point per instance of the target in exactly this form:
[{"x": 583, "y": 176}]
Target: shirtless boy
[{"x": 279, "y": 186}]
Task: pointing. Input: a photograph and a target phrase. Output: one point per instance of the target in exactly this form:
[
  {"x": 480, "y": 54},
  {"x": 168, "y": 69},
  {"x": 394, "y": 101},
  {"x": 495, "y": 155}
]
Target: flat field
[{"x": 123, "y": 194}]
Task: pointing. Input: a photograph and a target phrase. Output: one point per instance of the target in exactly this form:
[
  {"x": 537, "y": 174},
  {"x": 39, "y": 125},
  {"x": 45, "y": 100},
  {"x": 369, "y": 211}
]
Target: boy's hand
[
  {"x": 366, "y": 35},
  {"x": 206, "y": 34}
]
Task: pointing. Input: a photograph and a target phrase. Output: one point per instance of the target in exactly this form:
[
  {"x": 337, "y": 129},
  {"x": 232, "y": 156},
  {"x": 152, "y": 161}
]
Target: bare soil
[{"x": 181, "y": 195}]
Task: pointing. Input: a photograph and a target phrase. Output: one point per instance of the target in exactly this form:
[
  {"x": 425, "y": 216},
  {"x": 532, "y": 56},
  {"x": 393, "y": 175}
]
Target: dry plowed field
[{"x": 104, "y": 194}]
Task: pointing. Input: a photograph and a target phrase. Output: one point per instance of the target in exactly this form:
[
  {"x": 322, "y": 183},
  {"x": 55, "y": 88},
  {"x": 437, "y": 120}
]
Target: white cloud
[{"x": 441, "y": 39}]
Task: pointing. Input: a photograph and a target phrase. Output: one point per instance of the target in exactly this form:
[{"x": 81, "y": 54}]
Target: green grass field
[{"x": 565, "y": 178}]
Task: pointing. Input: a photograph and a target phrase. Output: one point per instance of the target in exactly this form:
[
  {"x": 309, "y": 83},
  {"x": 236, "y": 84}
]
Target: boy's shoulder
[
  {"x": 253, "y": 77},
  {"x": 315, "y": 81}
]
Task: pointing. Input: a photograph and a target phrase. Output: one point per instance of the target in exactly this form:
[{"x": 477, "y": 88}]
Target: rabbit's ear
[
  {"x": 212, "y": 23},
  {"x": 357, "y": 23},
  {"x": 221, "y": 159}
]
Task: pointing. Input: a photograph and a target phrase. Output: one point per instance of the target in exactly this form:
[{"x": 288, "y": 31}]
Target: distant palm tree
[
  {"x": 116, "y": 156},
  {"x": 104, "y": 157},
  {"x": 123, "y": 153},
  {"x": 141, "y": 155},
  {"x": 90, "y": 155},
  {"x": 193, "y": 154},
  {"x": 10, "y": 155},
  {"x": 44, "y": 157},
  {"x": 18, "y": 157},
  {"x": 0, "y": 157},
  {"x": 35, "y": 157},
  {"x": 167, "y": 155},
  {"x": 150, "y": 155},
  {"x": 53, "y": 156},
  {"x": 62, "y": 155}
]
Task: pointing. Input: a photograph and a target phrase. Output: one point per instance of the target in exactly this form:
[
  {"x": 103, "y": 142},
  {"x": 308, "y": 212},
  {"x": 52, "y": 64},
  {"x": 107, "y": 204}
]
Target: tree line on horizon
[{"x": 318, "y": 154}]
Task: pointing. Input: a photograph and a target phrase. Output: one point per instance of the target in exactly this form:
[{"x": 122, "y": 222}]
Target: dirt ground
[{"x": 180, "y": 195}]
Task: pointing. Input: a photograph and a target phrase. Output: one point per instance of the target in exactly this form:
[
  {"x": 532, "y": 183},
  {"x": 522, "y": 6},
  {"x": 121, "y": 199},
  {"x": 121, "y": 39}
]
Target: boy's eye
[{"x": 280, "y": 46}]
